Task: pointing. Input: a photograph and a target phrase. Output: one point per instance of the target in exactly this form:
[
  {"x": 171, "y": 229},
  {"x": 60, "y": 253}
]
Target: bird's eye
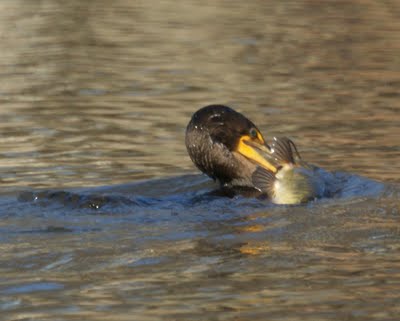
[{"x": 253, "y": 133}]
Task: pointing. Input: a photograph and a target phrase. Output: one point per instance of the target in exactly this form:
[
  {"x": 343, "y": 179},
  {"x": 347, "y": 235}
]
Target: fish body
[{"x": 294, "y": 182}]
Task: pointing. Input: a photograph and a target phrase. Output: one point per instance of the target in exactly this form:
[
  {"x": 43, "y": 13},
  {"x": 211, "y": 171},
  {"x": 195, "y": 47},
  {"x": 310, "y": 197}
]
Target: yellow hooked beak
[{"x": 251, "y": 147}]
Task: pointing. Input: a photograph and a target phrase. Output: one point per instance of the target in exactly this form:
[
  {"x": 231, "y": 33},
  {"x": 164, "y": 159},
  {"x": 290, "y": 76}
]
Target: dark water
[{"x": 104, "y": 217}]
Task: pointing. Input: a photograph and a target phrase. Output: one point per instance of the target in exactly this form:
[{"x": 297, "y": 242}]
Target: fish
[{"x": 294, "y": 182}]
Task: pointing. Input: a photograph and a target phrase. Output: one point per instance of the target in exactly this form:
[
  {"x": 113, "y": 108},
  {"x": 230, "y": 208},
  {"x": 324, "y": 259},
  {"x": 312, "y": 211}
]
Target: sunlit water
[{"x": 104, "y": 217}]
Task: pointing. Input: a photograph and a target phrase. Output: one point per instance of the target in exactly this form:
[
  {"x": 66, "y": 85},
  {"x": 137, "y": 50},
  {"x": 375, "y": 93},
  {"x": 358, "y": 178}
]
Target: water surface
[{"x": 104, "y": 217}]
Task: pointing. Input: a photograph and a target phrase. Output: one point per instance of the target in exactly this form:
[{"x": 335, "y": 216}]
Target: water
[{"x": 104, "y": 217}]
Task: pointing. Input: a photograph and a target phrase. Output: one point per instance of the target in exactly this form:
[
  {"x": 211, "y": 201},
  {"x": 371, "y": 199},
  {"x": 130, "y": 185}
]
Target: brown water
[{"x": 104, "y": 217}]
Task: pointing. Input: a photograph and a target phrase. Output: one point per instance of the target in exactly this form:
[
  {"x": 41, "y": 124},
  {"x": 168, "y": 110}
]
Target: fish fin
[
  {"x": 263, "y": 180},
  {"x": 284, "y": 150}
]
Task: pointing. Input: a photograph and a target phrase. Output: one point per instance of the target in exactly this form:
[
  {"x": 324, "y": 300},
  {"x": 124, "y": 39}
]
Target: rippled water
[{"x": 104, "y": 217}]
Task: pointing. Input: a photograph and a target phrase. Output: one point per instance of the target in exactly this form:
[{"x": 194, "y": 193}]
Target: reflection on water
[{"x": 96, "y": 96}]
